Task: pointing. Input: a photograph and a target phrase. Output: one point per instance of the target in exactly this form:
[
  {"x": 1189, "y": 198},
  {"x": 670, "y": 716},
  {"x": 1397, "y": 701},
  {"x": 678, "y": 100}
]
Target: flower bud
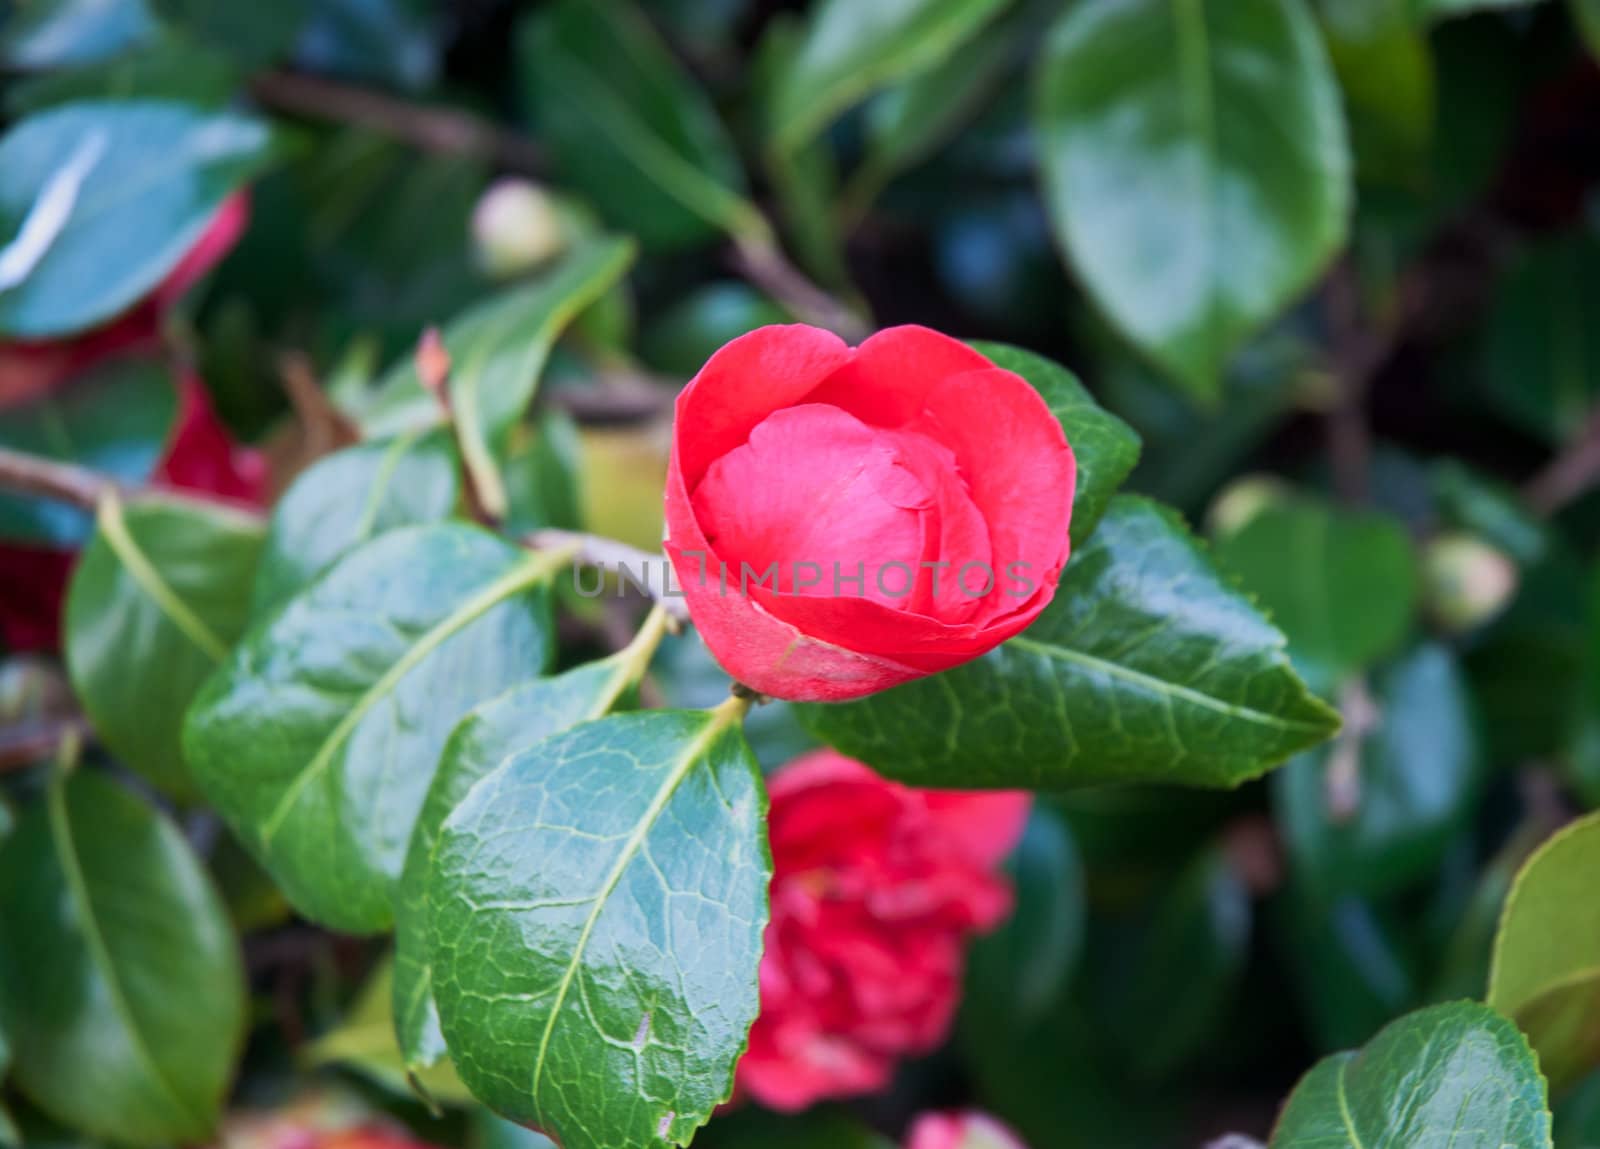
[
  {"x": 515, "y": 227},
  {"x": 962, "y": 1131},
  {"x": 1242, "y": 500},
  {"x": 1467, "y": 582}
]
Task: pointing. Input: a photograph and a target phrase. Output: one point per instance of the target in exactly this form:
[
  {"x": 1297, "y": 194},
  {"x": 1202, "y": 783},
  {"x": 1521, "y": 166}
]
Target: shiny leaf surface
[
  {"x": 1546, "y": 968},
  {"x": 349, "y": 498},
  {"x": 317, "y": 739},
  {"x": 1455, "y": 1076},
  {"x": 1195, "y": 167},
  {"x": 120, "y": 976},
  {"x": 1147, "y": 666},
  {"x": 99, "y": 202},
  {"x": 156, "y": 602},
  {"x": 595, "y": 962}
]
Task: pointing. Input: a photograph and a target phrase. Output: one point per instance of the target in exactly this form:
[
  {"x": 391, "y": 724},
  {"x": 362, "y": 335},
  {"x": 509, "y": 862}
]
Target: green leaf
[
  {"x": 1385, "y": 68},
  {"x": 1542, "y": 352},
  {"x": 1018, "y": 972},
  {"x": 1441, "y": 8},
  {"x": 851, "y": 49},
  {"x": 349, "y": 498},
  {"x": 156, "y": 602},
  {"x": 1195, "y": 167},
  {"x": 597, "y": 910},
  {"x": 629, "y": 127},
  {"x": 115, "y": 419},
  {"x": 389, "y": 42},
  {"x": 1342, "y": 584},
  {"x": 364, "y": 1041},
  {"x": 99, "y": 202},
  {"x": 1587, "y": 14},
  {"x": 498, "y": 350},
  {"x": 1546, "y": 968},
  {"x": 542, "y": 469},
  {"x": 120, "y": 977},
  {"x": 55, "y": 33},
  {"x": 255, "y": 34},
  {"x": 488, "y": 736},
  {"x": 168, "y": 70},
  {"x": 1417, "y": 777},
  {"x": 1175, "y": 989},
  {"x": 1148, "y": 666},
  {"x": 687, "y": 332},
  {"x": 317, "y": 739},
  {"x": 1455, "y": 1076},
  {"x": 1104, "y": 447}
]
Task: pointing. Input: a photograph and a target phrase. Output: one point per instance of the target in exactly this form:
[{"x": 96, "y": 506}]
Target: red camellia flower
[
  {"x": 962, "y": 1131},
  {"x": 876, "y": 890},
  {"x": 843, "y": 520}
]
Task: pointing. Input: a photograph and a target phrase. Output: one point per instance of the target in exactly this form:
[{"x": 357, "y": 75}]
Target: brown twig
[
  {"x": 1571, "y": 474},
  {"x": 447, "y": 131},
  {"x": 46, "y": 478},
  {"x": 30, "y": 743},
  {"x": 759, "y": 259},
  {"x": 611, "y": 555}
]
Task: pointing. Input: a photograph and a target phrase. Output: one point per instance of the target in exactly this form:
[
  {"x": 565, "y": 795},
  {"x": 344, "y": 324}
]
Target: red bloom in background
[
  {"x": 910, "y": 499},
  {"x": 876, "y": 890},
  {"x": 962, "y": 1131},
  {"x": 199, "y": 456}
]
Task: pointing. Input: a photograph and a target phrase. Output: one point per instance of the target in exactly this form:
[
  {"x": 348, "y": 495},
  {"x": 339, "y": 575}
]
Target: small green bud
[
  {"x": 516, "y": 227},
  {"x": 1244, "y": 499},
  {"x": 1467, "y": 582}
]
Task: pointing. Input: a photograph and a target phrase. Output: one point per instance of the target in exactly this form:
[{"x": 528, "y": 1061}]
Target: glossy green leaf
[
  {"x": 498, "y": 350},
  {"x": 55, "y": 33},
  {"x": 167, "y": 70},
  {"x": 158, "y": 599},
  {"x": 1546, "y": 968},
  {"x": 1104, "y": 447},
  {"x": 488, "y": 736},
  {"x": 850, "y": 49},
  {"x": 317, "y": 739},
  {"x": 364, "y": 1042},
  {"x": 1542, "y": 350},
  {"x": 1417, "y": 777},
  {"x": 542, "y": 471},
  {"x": 120, "y": 977},
  {"x": 595, "y": 960},
  {"x": 1385, "y": 69},
  {"x": 349, "y": 498},
  {"x": 99, "y": 202},
  {"x": 629, "y": 127},
  {"x": 1342, "y": 584},
  {"x": 1455, "y": 1076},
  {"x": 1148, "y": 666},
  {"x": 1195, "y": 167},
  {"x": 116, "y": 419}
]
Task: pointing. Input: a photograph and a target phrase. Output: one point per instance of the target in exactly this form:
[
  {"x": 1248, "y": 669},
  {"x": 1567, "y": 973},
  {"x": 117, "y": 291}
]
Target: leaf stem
[
  {"x": 64, "y": 482},
  {"x": 597, "y": 551},
  {"x": 758, "y": 257}
]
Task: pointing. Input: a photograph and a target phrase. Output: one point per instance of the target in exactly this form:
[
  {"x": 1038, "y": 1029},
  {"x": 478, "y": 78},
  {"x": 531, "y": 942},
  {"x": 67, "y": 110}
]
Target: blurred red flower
[
  {"x": 961, "y": 1131},
  {"x": 200, "y": 455},
  {"x": 876, "y": 890}
]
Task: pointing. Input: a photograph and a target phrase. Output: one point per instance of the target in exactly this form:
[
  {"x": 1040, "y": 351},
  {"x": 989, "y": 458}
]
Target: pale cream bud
[{"x": 516, "y": 227}]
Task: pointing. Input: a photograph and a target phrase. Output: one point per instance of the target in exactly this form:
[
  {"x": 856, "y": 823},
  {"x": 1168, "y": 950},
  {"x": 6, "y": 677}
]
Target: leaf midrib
[
  {"x": 1158, "y": 685},
  {"x": 525, "y": 574},
  {"x": 681, "y": 769},
  {"x": 114, "y": 528},
  {"x": 100, "y": 954}
]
